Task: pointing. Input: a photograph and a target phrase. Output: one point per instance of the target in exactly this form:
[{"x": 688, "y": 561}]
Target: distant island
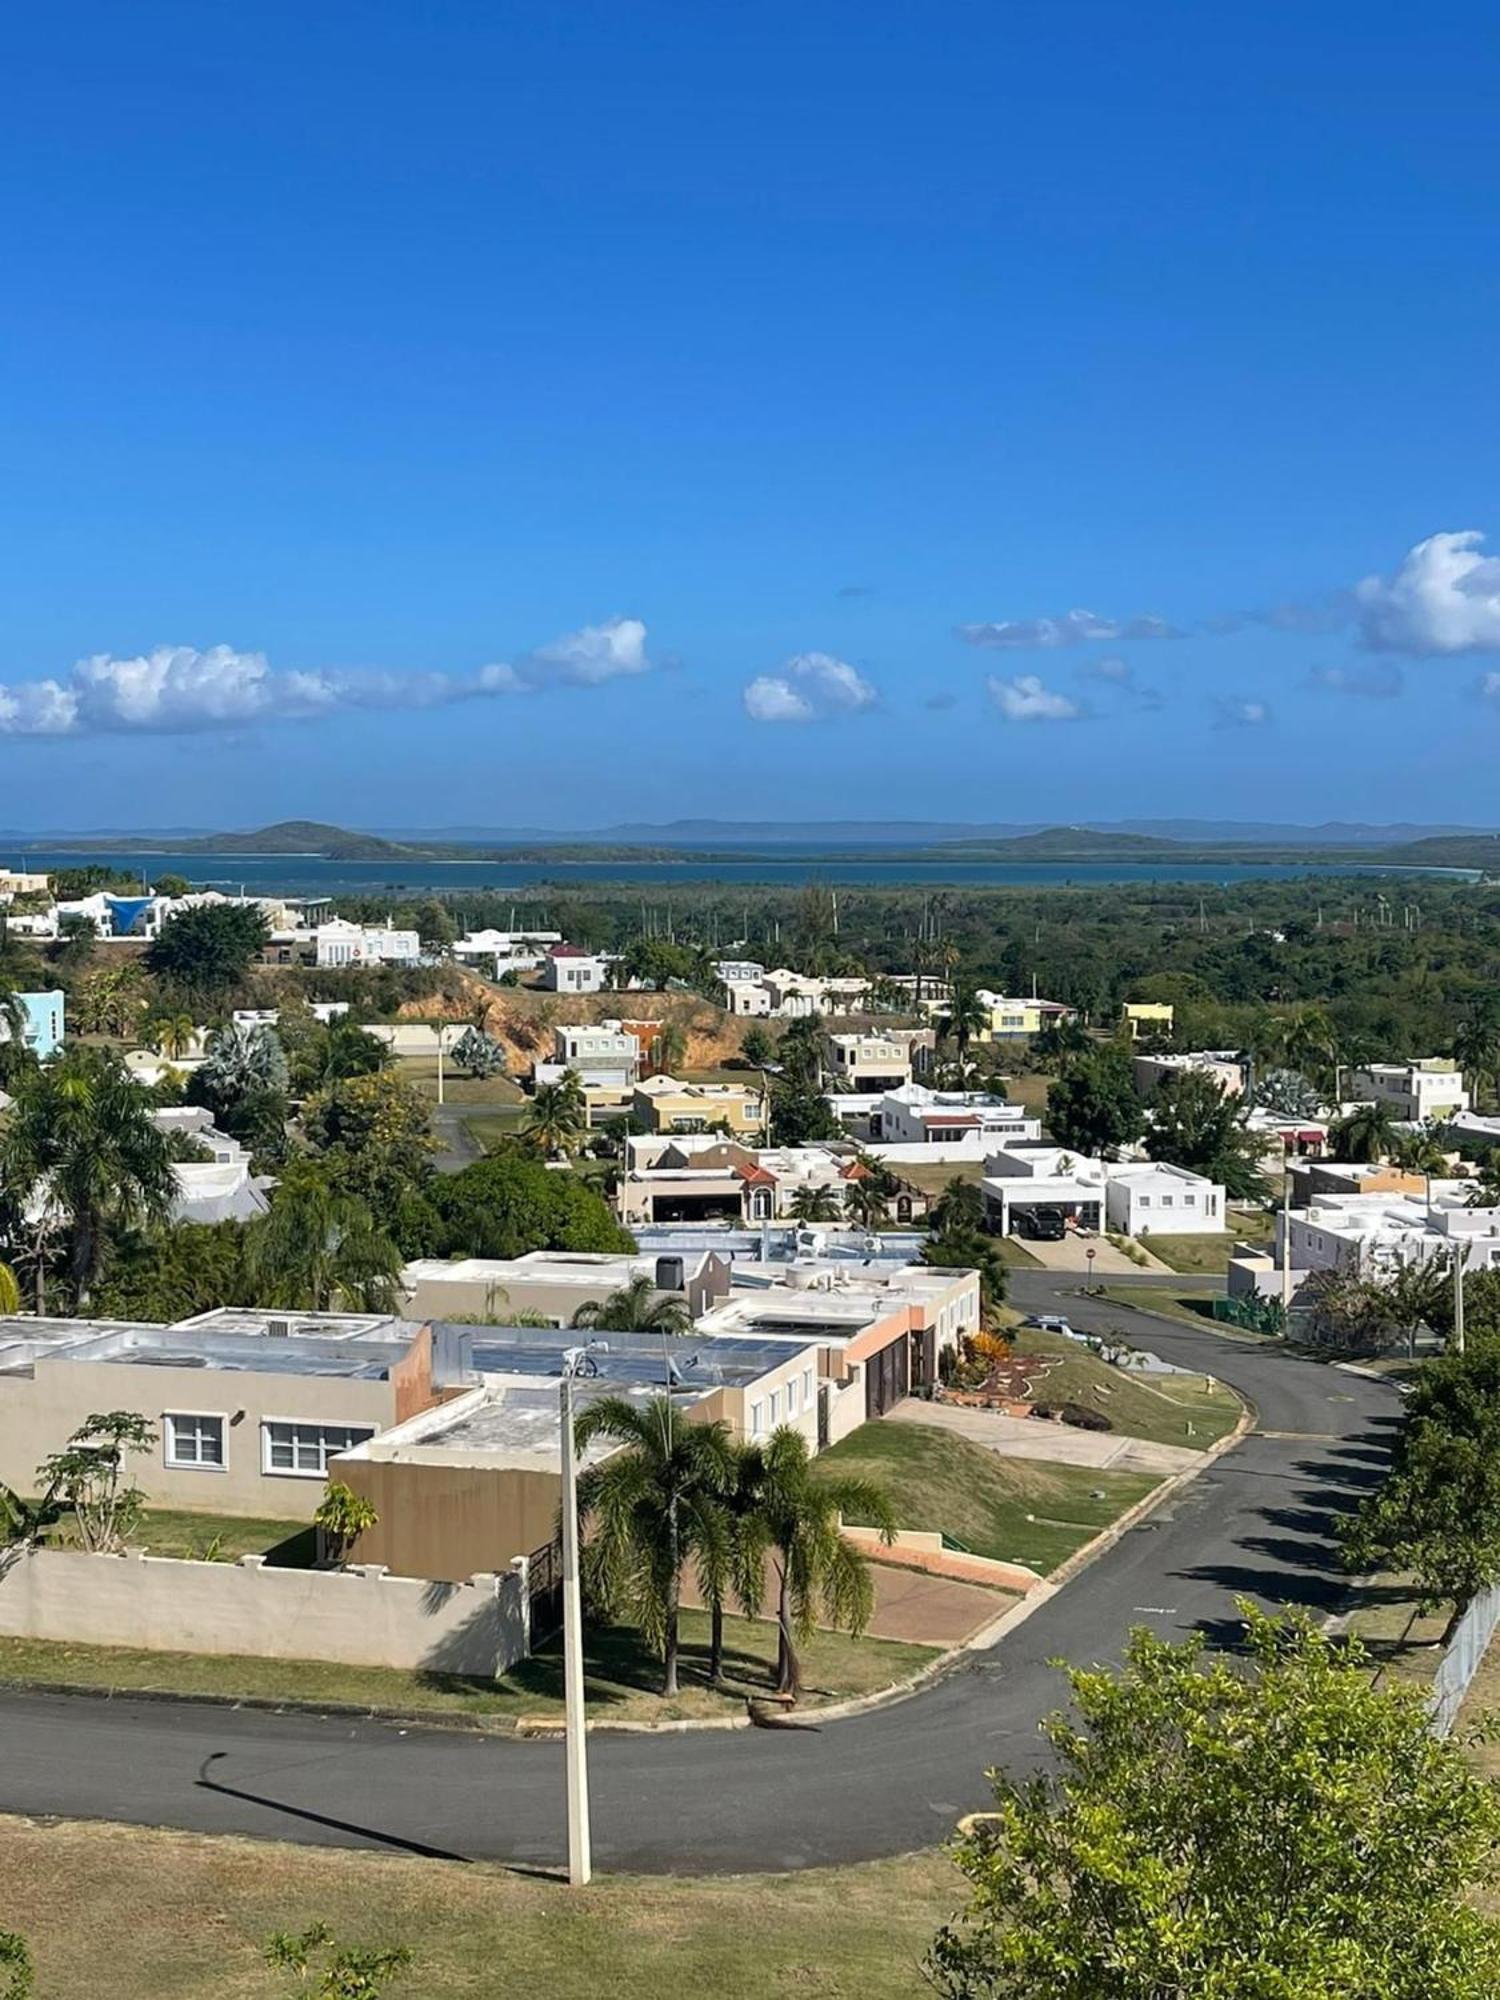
[{"x": 1059, "y": 845}]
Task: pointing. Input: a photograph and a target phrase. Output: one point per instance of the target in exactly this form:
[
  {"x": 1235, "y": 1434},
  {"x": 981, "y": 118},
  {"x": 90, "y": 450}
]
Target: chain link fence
[{"x": 1460, "y": 1662}]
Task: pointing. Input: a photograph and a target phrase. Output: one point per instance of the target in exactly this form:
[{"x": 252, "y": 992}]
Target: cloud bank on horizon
[
  {"x": 1441, "y": 601},
  {"x": 179, "y": 689}
]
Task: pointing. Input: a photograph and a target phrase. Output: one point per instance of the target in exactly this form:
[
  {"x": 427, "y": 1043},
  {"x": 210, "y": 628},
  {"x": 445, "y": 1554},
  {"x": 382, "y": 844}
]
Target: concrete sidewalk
[{"x": 1032, "y": 1437}]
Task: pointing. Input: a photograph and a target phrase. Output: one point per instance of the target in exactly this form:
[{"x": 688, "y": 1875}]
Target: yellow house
[
  {"x": 1010, "y": 1019},
  {"x": 662, "y": 1104},
  {"x": 1147, "y": 1017}
]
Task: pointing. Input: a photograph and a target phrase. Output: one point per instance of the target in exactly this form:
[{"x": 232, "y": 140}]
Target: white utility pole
[
  {"x": 1286, "y": 1252},
  {"x": 440, "y": 1062},
  {"x": 1458, "y": 1299},
  {"x": 580, "y": 1860}
]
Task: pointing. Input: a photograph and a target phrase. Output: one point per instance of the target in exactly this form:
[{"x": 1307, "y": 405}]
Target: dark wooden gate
[{"x": 544, "y": 1588}]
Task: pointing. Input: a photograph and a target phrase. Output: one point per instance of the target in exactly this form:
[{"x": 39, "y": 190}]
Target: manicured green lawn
[
  {"x": 150, "y": 1915},
  {"x": 1191, "y": 1410},
  {"x": 171, "y": 1531},
  {"x": 488, "y": 1128},
  {"x": 622, "y": 1676},
  {"x": 1011, "y": 1509},
  {"x": 1191, "y": 1307},
  {"x": 487, "y": 1093},
  {"x": 1211, "y": 1253}
]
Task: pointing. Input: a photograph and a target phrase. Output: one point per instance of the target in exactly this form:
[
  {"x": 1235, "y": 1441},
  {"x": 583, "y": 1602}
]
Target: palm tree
[
  {"x": 819, "y": 1573},
  {"x": 865, "y": 1200},
  {"x": 649, "y": 1507},
  {"x": 814, "y": 1204},
  {"x": 669, "y": 1048},
  {"x": 1310, "y": 1044},
  {"x": 318, "y": 1249},
  {"x": 967, "y": 1016},
  {"x": 558, "y": 1116},
  {"x": 731, "y": 1561},
  {"x": 1476, "y": 1049},
  {"x": 239, "y": 1060},
  {"x": 636, "y": 1308},
  {"x": 173, "y": 1034},
  {"x": 1418, "y": 1152},
  {"x": 1366, "y": 1134},
  {"x": 81, "y": 1154}
]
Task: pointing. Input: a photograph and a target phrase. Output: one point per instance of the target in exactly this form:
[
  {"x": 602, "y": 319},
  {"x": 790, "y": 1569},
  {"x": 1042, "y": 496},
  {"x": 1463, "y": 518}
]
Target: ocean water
[{"x": 311, "y": 875}]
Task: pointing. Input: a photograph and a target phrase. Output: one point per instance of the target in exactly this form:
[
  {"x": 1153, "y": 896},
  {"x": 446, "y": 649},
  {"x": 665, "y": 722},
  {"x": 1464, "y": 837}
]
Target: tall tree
[
  {"x": 1476, "y": 1048},
  {"x": 318, "y": 1249},
  {"x": 1092, "y": 1108},
  {"x": 207, "y": 950},
  {"x": 1195, "y": 1123},
  {"x": 820, "y": 1575},
  {"x": 648, "y": 1507},
  {"x": 966, "y": 1016},
  {"x": 557, "y": 1116},
  {"x": 1221, "y": 1833},
  {"x": 1366, "y": 1133},
  {"x": 80, "y": 1156},
  {"x": 636, "y": 1308},
  {"x": 815, "y": 1204}
]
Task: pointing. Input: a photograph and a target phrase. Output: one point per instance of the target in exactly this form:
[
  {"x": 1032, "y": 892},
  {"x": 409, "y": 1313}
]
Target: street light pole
[
  {"x": 580, "y": 1861},
  {"x": 440, "y": 1061},
  {"x": 1286, "y": 1250}
]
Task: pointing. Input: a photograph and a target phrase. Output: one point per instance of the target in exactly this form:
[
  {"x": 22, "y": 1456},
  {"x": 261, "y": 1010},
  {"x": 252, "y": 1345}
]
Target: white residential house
[
  {"x": 1150, "y": 1198},
  {"x": 500, "y": 952},
  {"x": 739, "y": 971},
  {"x": 915, "y": 1123},
  {"x": 602, "y": 1055},
  {"x": 870, "y": 1062},
  {"x": 339, "y": 942},
  {"x": 1415, "y": 1091},
  {"x": 570, "y": 969},
  {"x": 1224, "y": 1066},
  {"x": 1367, "y": 1233}
]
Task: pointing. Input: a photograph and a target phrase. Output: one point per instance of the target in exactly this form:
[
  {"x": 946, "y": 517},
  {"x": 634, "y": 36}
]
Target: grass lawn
[
  {"x": 488, "y": 1093},
  {"x": 1192, "y": 1307},
  {"x": 622, "y": 1676},
  {"x": 1158, "y": 1407},
  {"x": 488, "y": 1128},
  {"x": 169, "y": 1531},
  {"x": 1029, "y": 1091},
  {"x": 148, "y": 1915},
  {"x": 1211, "y": 1253},
  {"x": 1011, "y": 1509}
]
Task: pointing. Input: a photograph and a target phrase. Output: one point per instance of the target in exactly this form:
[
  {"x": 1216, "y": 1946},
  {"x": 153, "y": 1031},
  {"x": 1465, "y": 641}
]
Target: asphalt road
[{"x": 1256, "y": 1524}]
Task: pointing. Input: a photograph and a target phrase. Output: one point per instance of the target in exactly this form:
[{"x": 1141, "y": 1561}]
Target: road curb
[{"x": 1063, "y": 1575}]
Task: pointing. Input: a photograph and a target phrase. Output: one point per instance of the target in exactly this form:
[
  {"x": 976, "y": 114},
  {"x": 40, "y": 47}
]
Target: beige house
[
  {"x": 662, "y": 1104},
  {"x": 477, "y": 1483},
  {"x": 245, "y": 1423}
]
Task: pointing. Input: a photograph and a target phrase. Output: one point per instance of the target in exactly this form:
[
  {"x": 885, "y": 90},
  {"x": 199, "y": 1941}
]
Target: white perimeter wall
[{"x": 360, "y": 1616}]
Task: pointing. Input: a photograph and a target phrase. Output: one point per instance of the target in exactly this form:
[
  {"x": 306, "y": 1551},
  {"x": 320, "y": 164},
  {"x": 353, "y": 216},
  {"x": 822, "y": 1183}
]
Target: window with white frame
[
  {"x": 192, "y": 1440},
  {"x": 807, "y": 1385},
  {"x": 302, "y": 1451},
  {"x": 756, "y": 1416},
  {"x": 791, "y": 1397},
  {"x": 775, "y": 1408}
]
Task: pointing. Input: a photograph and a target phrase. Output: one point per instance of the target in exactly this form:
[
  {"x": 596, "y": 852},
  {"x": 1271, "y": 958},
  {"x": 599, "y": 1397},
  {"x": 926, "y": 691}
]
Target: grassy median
[{"x": 147, "y": 1915}]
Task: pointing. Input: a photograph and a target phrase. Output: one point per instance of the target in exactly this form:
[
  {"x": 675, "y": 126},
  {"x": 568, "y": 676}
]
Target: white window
[
  {"x": 757, "y": 1413},
  {"x": 775, "y": 1407},
  {"x": 1166, "y": 1200},
  {"x": 302, "y": 1451},
  {"x": 1143, "y": 1201},
  {"x": 190, "y": 1438},
  {"x": 791, "y": 1397},
  {"x": 807, "y": 1385},
  {"x": 1190, "y": 1201}
]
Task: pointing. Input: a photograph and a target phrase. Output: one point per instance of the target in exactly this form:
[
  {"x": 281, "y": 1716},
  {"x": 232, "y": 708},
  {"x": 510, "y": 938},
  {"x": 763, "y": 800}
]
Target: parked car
[
  {"x": 1051, "y": 1323},
  {"x": 1043, "y": 1225}
]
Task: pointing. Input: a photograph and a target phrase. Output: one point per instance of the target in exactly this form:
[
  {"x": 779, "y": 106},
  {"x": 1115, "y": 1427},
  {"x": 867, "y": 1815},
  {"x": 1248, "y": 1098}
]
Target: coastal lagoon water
[{"x": 312, "y": 875}]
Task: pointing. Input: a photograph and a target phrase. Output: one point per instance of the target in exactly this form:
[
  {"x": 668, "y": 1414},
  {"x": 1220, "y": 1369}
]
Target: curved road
[{"x": 1257, "y": 1523}]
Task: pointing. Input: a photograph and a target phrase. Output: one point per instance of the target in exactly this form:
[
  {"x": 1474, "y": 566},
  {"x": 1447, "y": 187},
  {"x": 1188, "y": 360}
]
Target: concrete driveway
[
  {"x": 1061, "y": 1444},
  {"x": 1071, "y": 1254}
]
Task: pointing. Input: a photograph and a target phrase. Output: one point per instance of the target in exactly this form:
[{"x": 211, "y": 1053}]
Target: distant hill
[
  {"x": 1458, "y": 850},
  {"x": 1065, "y": 843},
  {"x": 287, "y": 836}
]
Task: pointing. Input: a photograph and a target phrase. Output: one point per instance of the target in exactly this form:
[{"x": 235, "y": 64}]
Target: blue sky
[{"x": 417, "y": 415}]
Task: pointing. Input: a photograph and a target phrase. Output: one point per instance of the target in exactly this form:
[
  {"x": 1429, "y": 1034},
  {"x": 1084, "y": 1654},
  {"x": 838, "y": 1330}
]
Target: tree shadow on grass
[{"x": 618, "y": 1664}]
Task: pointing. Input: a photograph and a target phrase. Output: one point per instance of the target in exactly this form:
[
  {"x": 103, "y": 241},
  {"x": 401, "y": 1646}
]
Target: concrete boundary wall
[{"x": 358, "y": 1617}]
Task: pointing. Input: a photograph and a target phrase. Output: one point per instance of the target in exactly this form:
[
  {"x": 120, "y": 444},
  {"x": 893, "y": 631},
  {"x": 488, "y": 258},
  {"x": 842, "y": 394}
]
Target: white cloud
[
  {"x": 1242, "y": 712},
  {"x": 177, "y": 688},
  {"x": 1071, "y": 629},
  {"x": 1445, "y": 598},
  {"x": 1028, "y": 699},
  {"x": 1489, "y": 687},
  {"x": 810, "y": 687},
  {"x": 1111, "y": 668}
]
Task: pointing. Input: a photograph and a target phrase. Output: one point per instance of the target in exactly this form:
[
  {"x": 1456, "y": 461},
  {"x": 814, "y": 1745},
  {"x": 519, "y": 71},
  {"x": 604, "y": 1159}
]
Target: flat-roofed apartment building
[{"x": 248, "y": 1407}]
